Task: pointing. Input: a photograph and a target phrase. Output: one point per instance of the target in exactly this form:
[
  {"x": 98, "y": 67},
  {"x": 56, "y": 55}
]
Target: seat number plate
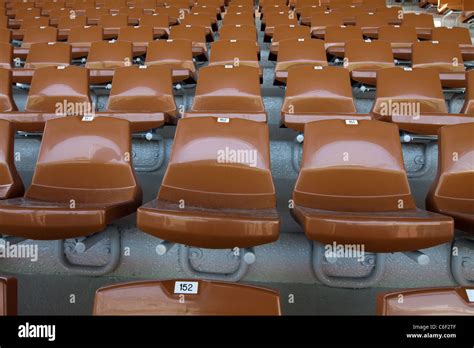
[
  {"x": 186, "y": 288},
  {"x": 352, "y": 122},
  {"x": 470, "y": 295}
]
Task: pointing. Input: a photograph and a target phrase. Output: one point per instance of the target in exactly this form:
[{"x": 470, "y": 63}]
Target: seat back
[
  {"x": 373, "y": 55},
  {"x": 6, "y": 55},
  {"x": 48, "y": 54},
  {"x": 228, "y": 89},
  {"x": 85, "y": 35},
  {"x": 230, "y": 162},
  {"x": 238, "y": 32},
  {"x": 320, "y": 20},
  {"x": 372, "y": 20},
  {"x": 67, "y": 22},
  {"x": 459, "y": 35},
  {"x": 39, "y": 34},
  {"x": 34, "y": 22},
  {"x": 296, "y": 52},
  {"x": 138, "y": 34},
  {"x": 155, "y": 20},
  {"x": 176, "y": 54},
  {"x": 114, "y": 21},
  {"x": 398, "y": 34},
  {"x": 10, "y": 182},
  {"x": 394, "y": 14},
  {"x": 233, "y": 18},
  {"x": 6, "y": 97},
  {"x": 52, "y": 88},
  {"x": 197, "y": 34},
  {"x": 443, "y": 56},
  {"x": 341, "y": 35},
  {"x": 452, "y": 190},
  {"x": 85, "y": 161},
  {"x": 147, "y": 89},
  {"x": 284, "y": 32},
  {"x": 308, "y": 90},
  {"x": 280, "y": 18},
  {"x": 418, "y": 20},
  {"x": 163, "y": 298},
  {"x": 353, "y": 168},
  {"x": 408, "y": 92},
  {"x": 234, "y": 52},
  {"x": 113, "y": 54}
]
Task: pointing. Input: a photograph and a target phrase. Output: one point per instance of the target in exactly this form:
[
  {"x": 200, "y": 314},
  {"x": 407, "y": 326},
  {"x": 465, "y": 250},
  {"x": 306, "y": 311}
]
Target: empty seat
[
  {"x": 93, "y": 14},
  {"x": 370, "y": 23},
  {"x": 306, "y": 13},
  {"x": 278, "y": 18},
  {"x": 297, "y": 52},
  {"x": 159, "y": 23},
  {"x": 112, "y": 23},
  {"x": 379, "y": 211},
  {"x": 452, "y": 192},
  {"x": 8, "y": 296},
  {"x": 363, "y": 59},
  {"x": 112, "y": 4},
  {"x": 229, "y": 91},
  {"x": 48, "y": 54},
  {"x": 237, "y": 8},
  {"x": 172, "y": 12},
  {"x": 199, "y": 20},
  {"x": 423, "y": 22},
  {"x": 138, "y": 35},
  {"x": 444, "y": 57},
  {"x": 434, "y": 301},
  {"x": 233, "y": 18},
  {"x": 85, "y": 36},
  {"x": 10, "y": 182},
  {"x": 206, "y": 298},
  {"x": 336, "y": 38},
  {"x": 177, "y": 55},
  {"x": 238, "y": 32},
  {"x": 146, "y": 89},
  {"x": 196, "y": 34},
  {"x": 28, "y": 13},
  {"x": 38, "y": 35},
  {"x": 234, "y": 52},
  {"x": 109, "y": 55},
  {"x": 6, "y": 55},
  {"x": 460, "y": 35},
  {"x": 6, "y": 97},
  {"x": 215, "y": 214},
  {"x": 309, "y": 97},
  {"x": 82, "y": 182},
  {"x": 321, "y": 20},
  {"x": 468, "y": 107},
  {"x": 134, "y": 13},
  {"x": 394, "y": 14},
  {"x": 413, "y": 99},
  {"x": 34, "y": 22},
  {"x": 66, "y": 23},
  {"x": 285, "y": 32},
  {"x": 48, "y": 6},
  {"x": 401, "y": 39}
]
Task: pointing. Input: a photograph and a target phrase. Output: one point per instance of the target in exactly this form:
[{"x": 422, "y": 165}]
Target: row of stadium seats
[
  {"x": 200, "y": 297},
  {"x": 411, "y": 98},
  {"x": 193, "y": 210}
]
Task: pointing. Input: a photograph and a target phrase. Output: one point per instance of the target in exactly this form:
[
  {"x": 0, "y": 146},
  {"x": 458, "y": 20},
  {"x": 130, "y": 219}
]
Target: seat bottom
[
  {"x": 378, "y": 231},
  {"x": 40, "y": 220},
  {"x": 208, "y": 228}
]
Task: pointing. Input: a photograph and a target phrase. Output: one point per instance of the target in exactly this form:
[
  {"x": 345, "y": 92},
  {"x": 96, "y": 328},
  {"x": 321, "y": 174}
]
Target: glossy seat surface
[
  {"x": 83, "y": 181},
  {"x": 379, "y": 211},
  {"x": 48, "y": 54},
  {"x": 203, "y": 209},
  {"x": 162, "y": 298},
  {"x": 10, "y": 182}
]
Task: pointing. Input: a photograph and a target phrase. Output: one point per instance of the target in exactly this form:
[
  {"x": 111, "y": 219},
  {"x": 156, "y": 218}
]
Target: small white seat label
[
  {"x": 87, "y": 118},
  {"x": 223, "y": 120},
  {"x": 470, "y": 295},
  {"x": 352, "y": 122},
  {"x": 186, "y": 288}
]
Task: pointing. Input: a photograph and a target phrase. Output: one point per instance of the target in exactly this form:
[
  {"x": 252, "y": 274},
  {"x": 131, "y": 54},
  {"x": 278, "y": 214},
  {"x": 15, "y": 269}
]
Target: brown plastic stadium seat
[
  {"x": 6, "y": 97},
  {"x": 199, "y": 20},
  {"x": 133, "y": 13},
  {"x": 238, "y": 8},
  {"x": 93, "y": 14},
  {"x": 394, "y": 14},
  {"x": 336, "y": 38},
  {"x": 159, "y": 23},
  {"x": 172, "y": 12},
  {"x": 229, "y": 91},
  {"x": 306, "y": 13},
  {"x": 65, "y": 24},
  {"x": 80, "y": 161},
  {"x": 353, "y": 189},
  {"x": 146, "y": 89},
  {"x": 10, "y": 182},
  {"x": 6, "y": 55},
  {"x": 414, "y": 100},
  {"x": 445, "y": 57},
  {"x": 196, "y": 34},
  {"x": 401, "y": 39},
  {"x": 460, "y": 35},
  {"x": 238, "y": 32},
  {"x": 112, "y": 23},
  {"x": 321, "y": 20},
  {"x": 431, "y": 301},
  {"x": 285, "y": 32},
  {"x": 112, "y": 4},
  {"x": 234, "y": 52},
  {"x": 452, "y": 192},
  {"x": 297, "y": 52},
  {"x": 363, "y": 59},
  {"x": 468, "y": 107},
  {"x": 233, "y": 18},
  {"x": 8, "y": 296},
  {"x": 423, "y": 22},
  {"x": 39, "y": 35},
  {"x": 85, "y": 36},
  {"x": 48, "y": 54},
  {"x": 163, "y": 298},
  {"x": 216, "y": 215},
  {"x": 34, "y": 22},
  {"x": 309, "y": 97},
  {"x": 370, "y": 23},
  {"x": 28, "y": 13},
  {"x": 278, "y": 18},
  {"x": 139, "y": 36},
  {"x": 107, "y": 55},
  {"x": 174, "y": 54}
]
